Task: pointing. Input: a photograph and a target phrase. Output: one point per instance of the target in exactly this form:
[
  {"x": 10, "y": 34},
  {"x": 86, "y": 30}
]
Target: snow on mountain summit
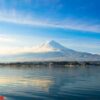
[
  {"x": 50, "y": 46},
  {"x": 54, "y": 45}
]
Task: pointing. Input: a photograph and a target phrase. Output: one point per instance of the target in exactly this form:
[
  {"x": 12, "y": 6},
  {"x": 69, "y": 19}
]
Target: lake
[{"x": 50, "y": 82}]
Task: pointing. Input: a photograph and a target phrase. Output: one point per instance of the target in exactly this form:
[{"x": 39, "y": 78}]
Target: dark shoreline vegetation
[{"x": 54, "y": 63}]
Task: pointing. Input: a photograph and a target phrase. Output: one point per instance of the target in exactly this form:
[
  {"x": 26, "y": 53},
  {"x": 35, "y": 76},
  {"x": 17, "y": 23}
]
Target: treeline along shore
[{"x": 64, "y": 63}]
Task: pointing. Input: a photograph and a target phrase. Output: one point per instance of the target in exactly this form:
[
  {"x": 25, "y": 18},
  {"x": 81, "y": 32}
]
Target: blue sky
[{"x": 74, "y": 23}]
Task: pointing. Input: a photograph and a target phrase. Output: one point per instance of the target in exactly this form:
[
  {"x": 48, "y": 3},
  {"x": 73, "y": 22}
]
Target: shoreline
[{"x": 63, "y": 63}]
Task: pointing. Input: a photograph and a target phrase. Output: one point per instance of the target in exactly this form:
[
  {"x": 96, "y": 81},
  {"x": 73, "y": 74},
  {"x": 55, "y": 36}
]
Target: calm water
[{"x": 50, "y": 83}]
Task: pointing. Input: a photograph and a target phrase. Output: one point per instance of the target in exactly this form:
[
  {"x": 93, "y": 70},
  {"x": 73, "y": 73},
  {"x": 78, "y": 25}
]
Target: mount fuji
[{"x": 52, "y": 51}]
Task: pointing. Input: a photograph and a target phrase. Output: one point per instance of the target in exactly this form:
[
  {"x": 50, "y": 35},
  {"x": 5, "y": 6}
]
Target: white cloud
[
  {"x": 74, "y": 24},
  {"x": 6, "y": 39}
]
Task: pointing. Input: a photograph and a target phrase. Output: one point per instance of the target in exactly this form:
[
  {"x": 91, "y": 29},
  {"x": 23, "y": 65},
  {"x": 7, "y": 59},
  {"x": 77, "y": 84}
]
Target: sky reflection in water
[{"x": 50, "y": 83}]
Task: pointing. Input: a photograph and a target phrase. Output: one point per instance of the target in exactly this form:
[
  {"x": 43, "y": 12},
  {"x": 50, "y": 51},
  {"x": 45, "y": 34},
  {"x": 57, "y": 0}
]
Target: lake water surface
[{"x": 50, "y": 82}]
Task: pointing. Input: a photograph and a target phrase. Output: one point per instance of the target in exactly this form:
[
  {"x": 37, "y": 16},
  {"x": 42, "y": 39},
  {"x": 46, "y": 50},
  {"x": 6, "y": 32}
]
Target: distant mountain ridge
[{"x": 52, "y": 51}]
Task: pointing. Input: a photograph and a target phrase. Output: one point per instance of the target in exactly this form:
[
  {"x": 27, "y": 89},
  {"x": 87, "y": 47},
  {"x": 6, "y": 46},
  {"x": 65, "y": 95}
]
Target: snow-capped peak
[
  {"x": 53, "y": 45},
  {"x": 52, "y": 51},
  {"x": 50, "y": 46}
]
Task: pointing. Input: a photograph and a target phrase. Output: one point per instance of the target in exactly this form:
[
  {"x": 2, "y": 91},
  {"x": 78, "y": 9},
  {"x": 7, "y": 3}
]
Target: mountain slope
[{"x": 52, "y": 51}]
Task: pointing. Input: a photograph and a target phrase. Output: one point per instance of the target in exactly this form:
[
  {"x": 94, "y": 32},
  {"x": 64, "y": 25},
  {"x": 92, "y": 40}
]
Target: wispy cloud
[
  {"x": 6, "y": 39},
  {"x": 74, "y": 24}
]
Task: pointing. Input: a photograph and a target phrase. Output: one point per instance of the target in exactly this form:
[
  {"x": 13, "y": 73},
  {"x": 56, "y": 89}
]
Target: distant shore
[{"x": 51, "y": 63}]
